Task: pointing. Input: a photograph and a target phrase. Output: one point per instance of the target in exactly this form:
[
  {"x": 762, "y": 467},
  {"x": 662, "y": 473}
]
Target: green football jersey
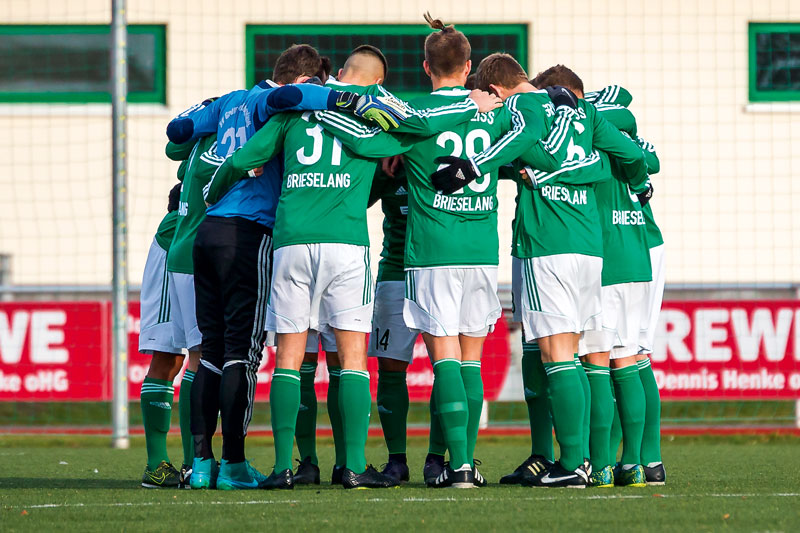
[
  {"x": 654, "y": 237},
  {"x": 191, "y": 210},
  {"x": 393, "y": 195},
  {"x": 166, "y": 230}
]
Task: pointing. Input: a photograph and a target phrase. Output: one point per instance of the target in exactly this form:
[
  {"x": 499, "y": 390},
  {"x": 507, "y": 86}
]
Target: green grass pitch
[{"x": 719, "y": 483}]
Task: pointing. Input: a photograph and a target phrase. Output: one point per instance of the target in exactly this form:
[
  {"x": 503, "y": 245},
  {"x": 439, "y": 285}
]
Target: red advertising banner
[{"x": 714, "y": 350}]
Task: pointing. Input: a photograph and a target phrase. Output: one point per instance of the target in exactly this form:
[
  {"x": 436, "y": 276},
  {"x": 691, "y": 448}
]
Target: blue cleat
[
  {"x": 238, "y": 476},
  {"x": 204, "y": 474}
]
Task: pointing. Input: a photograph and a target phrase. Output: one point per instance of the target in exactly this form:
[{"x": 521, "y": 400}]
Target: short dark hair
[
  {"x": 500, "y": 69},
  {"x": 446, "y": 50},
  {"x": 174, "y": 197},
  {"x": 297, "y": 60},
  {"x": 374, "y": 51},
  {"x": 472, "y": 82},
  {"x": 324, "y": 69},
  {"x": 558, "y": 75}
]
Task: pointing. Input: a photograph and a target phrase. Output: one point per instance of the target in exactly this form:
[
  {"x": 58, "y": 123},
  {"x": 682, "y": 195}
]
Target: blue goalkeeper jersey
[{"x": 235, "y": 118}]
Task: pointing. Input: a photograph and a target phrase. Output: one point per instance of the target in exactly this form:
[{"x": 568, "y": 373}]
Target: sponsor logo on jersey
[
  {"x": 463, "y": 203},
  {"x": 401, "y": 191},
  {"x": 627, "y": 218},
  {"x": 558, "y": 193},
  {"x": 318, "y": 179}
]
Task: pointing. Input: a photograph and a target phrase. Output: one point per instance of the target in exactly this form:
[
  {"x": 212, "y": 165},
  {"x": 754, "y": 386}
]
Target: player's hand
[
  {"x": 457, "y": 174},
  {"x": 390, "y": 165},
  {"x": 256, "y": 172},
  {"x": 645, "y": 196},
  {"x": 486, "y": 101},
  {"x": 562, "y": 96},
  {"x": 386, "y": 111}
]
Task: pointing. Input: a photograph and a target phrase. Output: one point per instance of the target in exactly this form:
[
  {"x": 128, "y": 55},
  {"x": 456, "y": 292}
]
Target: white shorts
[
  {"x": 155, "y": 328},
  {"x": 390, "y": 337},
  {"x": 623, "y": 307},
  {"x": 320, "y": 286},
  {"x": 315, "y": 338},
  {"x": 516, "y": 289},
  {"x": 185, "y": 333},
  {"x": 654, "y": 298},
  {"x": 449, "y": 301},
  {"x": 561, "y": 294}
]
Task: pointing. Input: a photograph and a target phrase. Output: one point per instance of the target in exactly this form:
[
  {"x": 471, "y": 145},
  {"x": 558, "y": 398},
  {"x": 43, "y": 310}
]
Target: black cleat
[
  {"x": 480, "y": 481},
  {"x": 164, "y": 476},
  {"x": 307, "y": 473},
  {"x": 185, "y": 477},
  {"x": 655, "y": 475},
  {"x": 558, "y": 476},
  {"x": 528, "y": 472},
  {"x": 434, "y": 465},
  {"x": 336, "y": 475},
  {"x": 396, "y": 470},
  {"x": 369, "y": 479},
  {"x": 283, "y": 480},
  {"x": 463, "y": 478}
]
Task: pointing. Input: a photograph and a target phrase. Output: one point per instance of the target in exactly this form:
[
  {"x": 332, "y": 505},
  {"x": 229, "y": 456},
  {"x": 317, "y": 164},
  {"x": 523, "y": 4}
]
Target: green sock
[
  {"x": 651, "y": 440},
  {"x": 566, "y": 397},
  {"x": 534, "y": 381},
  {"x": 473, "y": 386},
  {"x": 355, "y": 403},
  {"x": 451, "y": 401},
  {"x": 284, "y": 402},
  {"x": 602, "y": 414},
  {"x": 616, "y": 429},
  {"x": 587, "y": 409},
  {"x": 393, "y": 409},
  {"x": 436, "y": 443},
  {"x": 630, "y": 402},
  {"x": 185, "y": 414},
  {"x": 156, "y": 402},
  {"x": 336, "y": 415},
  {"x": 306, "y": 431}
]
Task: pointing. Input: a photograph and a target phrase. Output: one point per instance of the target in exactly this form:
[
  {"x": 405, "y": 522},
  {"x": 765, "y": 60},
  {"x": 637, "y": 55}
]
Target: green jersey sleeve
[
  {"x": 430, "y": 121},
  {"x": 528, "y": 135},
  {"x": 653, "y": 163},
  {"x": 613, "y": 94},
  {"x": 362, "y": 140},
  {"x": 626, "y": 153},
  {"x": 179, "y": 152},
  {"x": 619, "y": 116},
  {"x": 594, "y": 168}
]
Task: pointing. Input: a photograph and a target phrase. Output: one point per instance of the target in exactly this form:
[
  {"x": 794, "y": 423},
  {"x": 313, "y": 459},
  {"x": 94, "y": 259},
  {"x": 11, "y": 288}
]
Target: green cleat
[
  {"x": 239, "y": 476},
  {"x": 165, "y": 476},
  {"x": 602, "y": 478},
  {"x": 204, "y": 474},
  {"x": 631, "y": 477}
]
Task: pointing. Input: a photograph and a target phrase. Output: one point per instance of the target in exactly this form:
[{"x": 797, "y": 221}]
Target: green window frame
[
  {"x": 770, "y": 42},
  {"x": 401, "y": 43},
  {"x": 156, "y": 92}
]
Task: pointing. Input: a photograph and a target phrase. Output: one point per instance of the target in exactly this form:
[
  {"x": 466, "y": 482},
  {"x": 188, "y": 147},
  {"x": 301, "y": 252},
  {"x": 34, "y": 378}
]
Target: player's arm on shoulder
[
  {"x": 620, "y": 117},
  {"x": 179, "y": 152},
  {"x": 197, "y": 121},
  {"x": 619, "y": 146},
  {"x": 594, "y": 168},
  {"x": 650, "y": 156},
  {"x": 364, "y": 141}
]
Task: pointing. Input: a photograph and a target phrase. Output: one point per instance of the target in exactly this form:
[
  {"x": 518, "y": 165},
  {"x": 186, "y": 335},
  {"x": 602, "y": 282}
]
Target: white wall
[{"x": 724, "y": 198}]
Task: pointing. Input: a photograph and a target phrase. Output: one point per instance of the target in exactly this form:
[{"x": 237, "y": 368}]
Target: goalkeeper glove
[
  {"x": 457, "y": 174},
  {"x": 562, "y": 96},
  {"x": 386, "y": 111},
  {"x": 645, "y": 196}
]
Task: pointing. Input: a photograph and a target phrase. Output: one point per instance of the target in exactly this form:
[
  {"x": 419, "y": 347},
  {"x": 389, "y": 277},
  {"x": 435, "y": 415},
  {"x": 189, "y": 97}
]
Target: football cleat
[
  {"x": 397, "y": 470},
  {"x": 283, "y": 480},
  {"x": 463, "y": 478},
  {"x": 480, "y": 481},
  {"x": 528, "y": 472},
  {"x": 369, "y": 479},
  {"x": 655, "y": 475},
  {"x": 164, "y": 476},
  {"x": 336, "y": 475},
  {"x": 558, "y": 476},
  {"x": 239, "y": 476},
  {"x": 204, "y": 474},
  {"x": 631, "y": 477},
  {"x": 307, "y": 473},
  {"x": 434, "y": 465},
  {"x": 186, "y": 476},
  {"x": 602, "y": 478}
]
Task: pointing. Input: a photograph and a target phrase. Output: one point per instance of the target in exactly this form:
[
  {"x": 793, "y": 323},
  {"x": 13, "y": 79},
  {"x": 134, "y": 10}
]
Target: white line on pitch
[{"x": 417, "y": 500}]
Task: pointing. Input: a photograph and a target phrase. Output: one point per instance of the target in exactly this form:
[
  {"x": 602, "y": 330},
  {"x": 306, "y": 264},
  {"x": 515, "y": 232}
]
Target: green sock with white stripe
[
  {"x": 602, "y": 414},
  {"x": 534, "y": 381},
  {"x": 587, "y": 409},
  {"x": 651, "y": 440},
  {"x": 185, "y": 416},
  {"x": 284, "y": 402},
  {"x": 156, "y": 402},
  {"x": 451, "y": 401},
  {"x": 566, "y": 398},
  {"x": 336, "y": 415},
  {"x": 473, "y": 386},
  {"x": 630, "y": 402},
  {"x": 355, "y": 403},
  {"x": 306, "y": 430}
]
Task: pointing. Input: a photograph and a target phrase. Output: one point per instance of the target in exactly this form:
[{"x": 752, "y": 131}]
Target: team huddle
[{"x": 266, "y": 241}]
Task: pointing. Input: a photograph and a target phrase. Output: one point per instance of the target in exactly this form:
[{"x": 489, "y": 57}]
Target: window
[
  {"x": 774, "y": 62},
  {"x": 72, "y": 63},
  {"x": 402, "y": 45}
]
